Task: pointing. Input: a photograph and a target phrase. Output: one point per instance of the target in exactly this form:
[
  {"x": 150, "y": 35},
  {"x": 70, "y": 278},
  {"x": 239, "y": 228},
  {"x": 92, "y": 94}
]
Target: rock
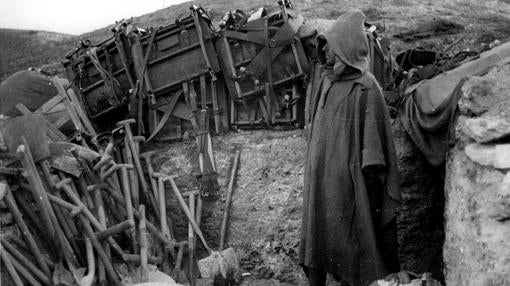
[
  {"x": 474, "y": 94},
  {"x": 486, "y": 129},
  {"x": 500, "y": 212},
  {"x": 477, "y": 192},
  {"x": 487, "y": 94},
  {"x": 224, "y": 262},
  {"x": 476, "y": 246},
  {"x": 501, "y": 207},
  {"x": 497, "y": 156},
  {"x": 504, "y": 188}
]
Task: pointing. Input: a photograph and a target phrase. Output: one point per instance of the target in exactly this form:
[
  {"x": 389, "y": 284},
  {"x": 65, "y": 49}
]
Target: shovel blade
[{"x": 223, "y": 262}]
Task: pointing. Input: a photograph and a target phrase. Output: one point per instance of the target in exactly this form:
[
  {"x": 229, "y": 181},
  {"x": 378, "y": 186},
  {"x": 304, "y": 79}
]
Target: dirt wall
[
  {"x": 265, "y": 216},
  {"x": 420, "y": 217}
]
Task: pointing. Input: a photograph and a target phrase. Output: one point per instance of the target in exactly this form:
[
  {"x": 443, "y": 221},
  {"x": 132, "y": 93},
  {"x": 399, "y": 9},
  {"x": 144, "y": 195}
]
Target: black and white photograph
[{"x": 255, "y": 143}]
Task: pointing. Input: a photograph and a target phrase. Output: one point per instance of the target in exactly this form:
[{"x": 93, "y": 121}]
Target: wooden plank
[
  {"x": 166, "y": 116},
  {"x": 23, "y": 109},
  {"x": 216, "y": 110},
  {"x": 233, "y": 112},
  {"x": 190, "y": 96},
  {"x": 48, "y": 105},
  {"x": 231, "y": 65},
  {"x": 294, "y": 97},
  {"x": 81, "y": 113},
  {"x": 123, "y": 58},
  {"x": 203, "y": 92},
  {"x": 153, "y": 113},
  {"x": 73, "y": 107},
  {"x": 69, "y": 107},
  {"x": 62, "y": 120},
  {"x": 223, "y": 104}
]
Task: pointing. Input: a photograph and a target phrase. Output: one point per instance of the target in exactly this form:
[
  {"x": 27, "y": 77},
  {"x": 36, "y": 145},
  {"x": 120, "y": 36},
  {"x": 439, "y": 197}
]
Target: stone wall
[{"x": 477, "y": 245}]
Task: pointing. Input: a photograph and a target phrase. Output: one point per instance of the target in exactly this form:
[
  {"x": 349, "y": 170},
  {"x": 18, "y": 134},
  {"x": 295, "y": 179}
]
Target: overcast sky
[{"x": 73, "y": 16}]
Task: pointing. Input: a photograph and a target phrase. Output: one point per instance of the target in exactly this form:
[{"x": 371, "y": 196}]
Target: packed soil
[{"x": 265, "y": 214}]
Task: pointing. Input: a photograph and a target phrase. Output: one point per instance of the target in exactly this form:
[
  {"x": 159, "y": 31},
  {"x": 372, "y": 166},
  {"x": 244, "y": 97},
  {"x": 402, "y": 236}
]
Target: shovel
[{"x": 218, "y": 262}]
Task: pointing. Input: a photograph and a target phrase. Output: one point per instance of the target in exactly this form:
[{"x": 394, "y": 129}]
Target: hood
[{"x": 348, "y": 40}]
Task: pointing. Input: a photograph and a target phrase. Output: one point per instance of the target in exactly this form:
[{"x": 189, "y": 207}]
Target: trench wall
[{"x": 477, "y": 245}]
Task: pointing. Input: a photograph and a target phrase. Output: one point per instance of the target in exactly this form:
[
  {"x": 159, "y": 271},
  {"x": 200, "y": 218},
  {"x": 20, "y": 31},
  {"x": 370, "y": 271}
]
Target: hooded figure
[{"x": 351, "y": 184}]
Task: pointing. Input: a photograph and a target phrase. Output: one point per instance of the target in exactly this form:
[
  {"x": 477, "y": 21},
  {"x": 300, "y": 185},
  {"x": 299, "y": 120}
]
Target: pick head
[
  {"x": 126, "y": 122},
  {"x": 147, "y": 155}
]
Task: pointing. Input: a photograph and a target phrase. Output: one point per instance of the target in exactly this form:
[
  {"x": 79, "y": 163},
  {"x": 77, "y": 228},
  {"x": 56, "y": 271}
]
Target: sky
[{"x": 73, "y": 16}]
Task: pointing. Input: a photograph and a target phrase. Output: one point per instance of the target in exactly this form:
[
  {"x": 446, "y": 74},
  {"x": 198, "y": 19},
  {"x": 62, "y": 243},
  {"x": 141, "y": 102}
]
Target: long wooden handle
[
  {"x": 229, "y": 199},
  {"x": 6, "y": 259},
  {"x": 188, "y": 214},
  {"x": 18, "y": 217},
  {"x": 25, "y": 261}
]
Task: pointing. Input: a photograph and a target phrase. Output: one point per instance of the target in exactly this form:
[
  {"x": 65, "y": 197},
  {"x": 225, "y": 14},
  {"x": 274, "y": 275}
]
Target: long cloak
[{"x": 349, "y": 138}]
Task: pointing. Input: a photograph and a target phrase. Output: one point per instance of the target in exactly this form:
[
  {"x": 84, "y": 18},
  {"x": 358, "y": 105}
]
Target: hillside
[
  {"x": 20, "y": 49},
  {"x": 485, "y": 21}
]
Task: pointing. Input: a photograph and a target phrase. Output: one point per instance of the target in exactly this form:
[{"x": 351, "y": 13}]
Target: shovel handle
[
  {"x": 7, "y": 260},
  {"x": 233, "y": 173},
  {"x": 188, "y": 213},
  {"x": 100, "y": 251},
  {"x": 18, "y": 217},
  {"x": 16, "y": 254}
]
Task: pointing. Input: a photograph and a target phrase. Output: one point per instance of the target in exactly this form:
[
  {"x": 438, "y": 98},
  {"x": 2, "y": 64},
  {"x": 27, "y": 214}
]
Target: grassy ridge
[
  {"x": 20, "y": 49},
  {"x": 484, "y": 22}
]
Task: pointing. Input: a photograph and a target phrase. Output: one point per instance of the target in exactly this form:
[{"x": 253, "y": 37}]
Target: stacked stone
[{"x": 477, "y": 244}]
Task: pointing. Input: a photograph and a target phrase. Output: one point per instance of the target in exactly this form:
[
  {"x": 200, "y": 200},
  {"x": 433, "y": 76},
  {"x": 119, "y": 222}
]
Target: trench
[{"x": 265, "y": 216}]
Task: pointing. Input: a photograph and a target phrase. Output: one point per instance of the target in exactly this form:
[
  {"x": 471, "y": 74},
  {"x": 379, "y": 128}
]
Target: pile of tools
[{"x": 89, "y": 206}]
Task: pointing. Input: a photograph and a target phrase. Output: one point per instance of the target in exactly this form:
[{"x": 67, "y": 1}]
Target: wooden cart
[
  {"x": 102, "y": 76},
  {"x": 264, "y": 66},
  {"x": 177, "y": 60}
]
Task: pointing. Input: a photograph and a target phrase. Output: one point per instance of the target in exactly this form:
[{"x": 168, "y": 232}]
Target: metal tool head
[
  {"x": 147, "y": 155},
  {"x": 224, "y": 263}
]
